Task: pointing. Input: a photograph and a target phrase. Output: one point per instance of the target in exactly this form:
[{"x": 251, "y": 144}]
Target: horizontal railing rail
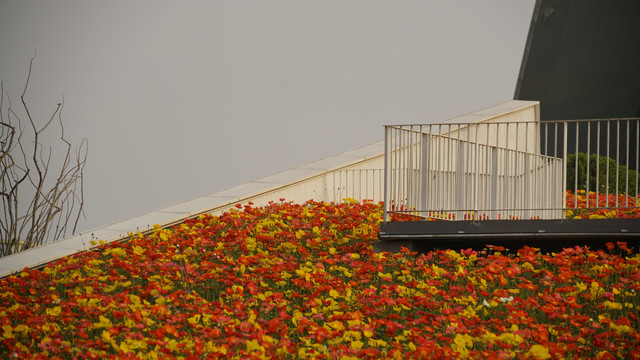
[{"x": 511, "y": 170}]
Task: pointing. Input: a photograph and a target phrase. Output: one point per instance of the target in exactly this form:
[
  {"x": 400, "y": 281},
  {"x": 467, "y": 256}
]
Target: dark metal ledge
[{"x": 545, "y": 234}]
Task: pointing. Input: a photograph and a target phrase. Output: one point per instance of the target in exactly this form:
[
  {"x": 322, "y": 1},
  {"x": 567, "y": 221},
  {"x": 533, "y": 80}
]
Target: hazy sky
[{"x": 179, "y": 99}]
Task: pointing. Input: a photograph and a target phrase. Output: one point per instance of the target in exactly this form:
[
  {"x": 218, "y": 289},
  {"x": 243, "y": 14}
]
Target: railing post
[
  {"x": 494, "y": 180},
  {"x": 385, "y": 214},
  {"x": 564, "y": 169},
  {"x": 459, "y": 179},
  {"x": 424, "y": 171}
]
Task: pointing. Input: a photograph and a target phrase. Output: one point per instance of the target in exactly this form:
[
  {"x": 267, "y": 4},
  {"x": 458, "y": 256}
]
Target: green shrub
[{"x": 601, "y": 174}]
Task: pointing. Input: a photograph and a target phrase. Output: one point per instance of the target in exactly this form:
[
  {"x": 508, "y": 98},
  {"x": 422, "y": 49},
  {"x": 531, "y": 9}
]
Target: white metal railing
[
  {"x": 509, "y": 170},
  {"x": 358, "y": 184}
]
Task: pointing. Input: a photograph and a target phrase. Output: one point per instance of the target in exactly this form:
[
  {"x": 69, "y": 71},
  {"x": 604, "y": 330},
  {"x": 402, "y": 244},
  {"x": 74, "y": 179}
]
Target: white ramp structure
[{"x": 357, "y": 174}]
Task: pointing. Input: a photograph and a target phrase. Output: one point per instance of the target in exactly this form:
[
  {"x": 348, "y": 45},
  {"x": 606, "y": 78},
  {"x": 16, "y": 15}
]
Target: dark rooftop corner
[{"x": 581, "y": 60}]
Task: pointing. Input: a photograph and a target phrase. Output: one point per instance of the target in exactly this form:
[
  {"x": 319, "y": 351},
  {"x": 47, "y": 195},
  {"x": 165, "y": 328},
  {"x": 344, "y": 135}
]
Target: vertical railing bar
[
  {"x": 399, "y": 179},
  {"x": 393, "y": 160},
  {"x": 414, "y": 180},
  {"x": 521, "y": 170},
  {"x": 516, "y": 179},
  {"x": 402, "y": 173},
  {"x": 637, "y": 159},
  {"x": 477, "y": 167},
  {"x": 626, "y": 191},
  {"x": 513, "y": 182},
  {"x": 543, "y": 202},
  {"x": 588, "y": 160},
  {"x": 487, "y": 193},
  {"x": 598, "y": 163},
  {"x": 448, "y": 183},
  {"x": 439, "y": 170},
  {"x": 617, "y": 160},
  {"x": 425, "y": 162},
  {"x": 608, "y": 162},
  {"x": 545, "y": 174},
  {"x": 506, "y": 172},
  {"x": 429, "y": 181},
  {"x": 522, "y": 166},
  {"x": 426, "y": 137},
  {"x": 396, "y": 167},
  {"x": 408, "y": 195},
  {"x": 353, "y": 181},
  {"x": 547, "y": 201},
  {"x": 367, "y": 176},
  {"x": 387, "y": 169},
  {"x": 564, "y": 168},
  {"x": 416, "y": 171},
  {"x": 345, "y": 187},
  {"x": 423, "y": 169},
  {"x": 410, "y": 162},
  {"x": 516, "y": 168},
  {"x": 333, "y": 187},
  {"x": 555, "y": 154},
  {"x": 538, "y": 203},
  {"x": 525, "y": 173},
  {"x": 398, "y": 172},
  {"x": 576, "y": 164},
  {"x": 498, "y": 201},
  {"x": 467, "y": 191},
  {"x": 459, "y": 179},
  {"x": 411, "y": 170},
  {"x": 406, "y": 166},
  {"x": 388, "y": 177},
  {"x": 419, "y": 165}
]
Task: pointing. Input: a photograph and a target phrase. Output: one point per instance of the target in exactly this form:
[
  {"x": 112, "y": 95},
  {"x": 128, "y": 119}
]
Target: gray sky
[{"x": 179, "y": 99}]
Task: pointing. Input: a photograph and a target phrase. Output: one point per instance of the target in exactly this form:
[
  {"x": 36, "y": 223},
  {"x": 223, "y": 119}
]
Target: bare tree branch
[{"x": 54, "y": 205}]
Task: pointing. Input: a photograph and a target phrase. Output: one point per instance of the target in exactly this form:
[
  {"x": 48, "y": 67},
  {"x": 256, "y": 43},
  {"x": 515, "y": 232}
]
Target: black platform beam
[{"x": 549, "y": 235}]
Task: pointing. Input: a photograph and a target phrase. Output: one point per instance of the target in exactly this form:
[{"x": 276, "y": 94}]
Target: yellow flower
[
  {"x": 595, "y": 289},
  {"x": 138, "y": 250},
  {"x": 253, "y": 345},
  {"x": 581, "y": 287},
  {"x": 269, "y": 339},
  {"x": 104, "y": 323},
  {"x": 21, "y": 328},
  {"x": 194, "y": 319},
  {"x": 512, "y": 339},
  {"x": 357, "y": 344},
  {"x": 612, "y": 305},
  {"x": 539, "y": 352},
  {"x": 620, "y": 329},
  {"x": 54, "y": 311},
  {"x": 7, "y": 332},
  {"x": 462, "y": 343}
]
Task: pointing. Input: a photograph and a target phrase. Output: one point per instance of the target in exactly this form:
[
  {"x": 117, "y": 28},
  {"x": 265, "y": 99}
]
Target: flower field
[
  {"x": 302, "y": 281},
  {"x": 597, "y": 206}
]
